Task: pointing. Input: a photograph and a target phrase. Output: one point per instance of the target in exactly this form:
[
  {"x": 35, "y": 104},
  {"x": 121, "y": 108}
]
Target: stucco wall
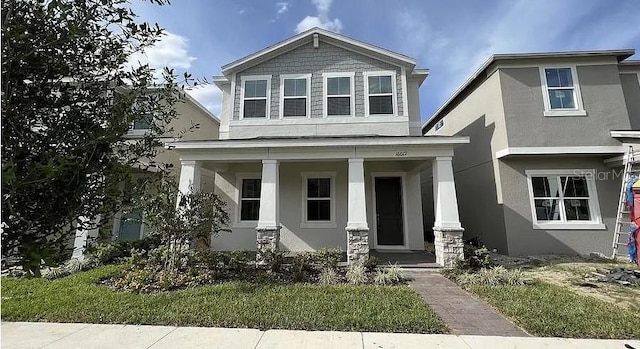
[
  {"x": 480, "y": 116},
  {"x": 524, "y": 109},
  {"x": 297, "y": 238},
  {"x": 631, "y": 89},
  {"x": 523, "y": 239}
]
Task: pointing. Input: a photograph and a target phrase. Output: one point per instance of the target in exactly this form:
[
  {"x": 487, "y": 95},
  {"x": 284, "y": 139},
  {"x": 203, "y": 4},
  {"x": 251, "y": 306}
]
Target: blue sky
[{"x": 451, "y": 38}]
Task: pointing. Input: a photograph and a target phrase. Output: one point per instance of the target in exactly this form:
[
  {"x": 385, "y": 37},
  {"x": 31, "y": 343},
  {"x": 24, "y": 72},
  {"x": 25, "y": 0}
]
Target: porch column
[
  {"x": 447, "y": 229},
  {"x": 357, "y": 227},
  {"x": 268, "y": 229},
  {"x": 189, "y": 176}
]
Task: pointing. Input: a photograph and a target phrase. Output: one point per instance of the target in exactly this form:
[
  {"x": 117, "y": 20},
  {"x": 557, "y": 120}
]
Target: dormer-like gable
[{"x": 320, "y": 83}]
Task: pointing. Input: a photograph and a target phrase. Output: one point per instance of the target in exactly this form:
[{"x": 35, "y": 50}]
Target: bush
[
  {"x": 493, "y": 277},
  {"x": 371, "y": 263},
  {"x": 328, "y": 276},
  {"x": 327, "y": 258},
  {"x": 356, "y": 274},
  {"x": 273, "y": 260},
  {"x": 69, "y": 267},
  {"x": 302, "y": 265},
  {"x": 475, "y": 259},
  {"x": 391, "y": 275}
]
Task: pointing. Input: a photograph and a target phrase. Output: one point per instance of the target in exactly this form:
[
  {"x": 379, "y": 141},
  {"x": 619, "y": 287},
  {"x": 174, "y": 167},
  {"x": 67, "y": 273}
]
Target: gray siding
[
  {"x": 631, "y": 89},
  {"x": 326, "y": 59},
  {"x": 524, "y": 107},
  {"x": 523, "y": 239}
]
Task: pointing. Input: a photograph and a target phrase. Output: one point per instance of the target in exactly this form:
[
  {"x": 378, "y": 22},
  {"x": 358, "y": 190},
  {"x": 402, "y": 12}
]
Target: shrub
[
  {"x": 273, "y": 260},
  {"x": 475, "y": 259},
  {"x": 327, "y": 257},
  {"x": 391, "y": 275},
  {"x": 241, "y": 260},
  {"x": 70, "y": 267},
  {"x": 302, "y": 266},
  {"x": 356, "y": 274},
  {"x": 371, "y": 263},
  {"x": 493, "y": 277},
  {"x": 328, "y": 276}
]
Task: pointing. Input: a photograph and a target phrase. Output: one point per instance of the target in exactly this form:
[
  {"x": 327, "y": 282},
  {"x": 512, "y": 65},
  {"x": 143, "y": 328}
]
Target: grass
[
  {"x": 544, "y": 309},
  {"x": 78, "y": 298}
]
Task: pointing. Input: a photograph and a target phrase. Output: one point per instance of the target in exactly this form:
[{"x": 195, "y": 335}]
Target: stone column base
[
  {"x": 357, "y": 244},
  {"x": 267, "y": 239},
  {"x": 449, "y": 246}
]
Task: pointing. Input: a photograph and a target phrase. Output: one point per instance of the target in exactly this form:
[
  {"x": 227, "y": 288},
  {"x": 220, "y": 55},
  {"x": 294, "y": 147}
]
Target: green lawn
[
  {"x": 549, "y": 310},
  {"x": 78, "y": 298}
]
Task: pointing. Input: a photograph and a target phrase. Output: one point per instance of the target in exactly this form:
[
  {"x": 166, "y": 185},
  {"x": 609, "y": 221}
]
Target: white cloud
[
  {"x": 321, "y": 19},
  {"x": 282, "y": 7},
  {"x": 171, "y": 51},
  {"x": 209, "y": 96}
]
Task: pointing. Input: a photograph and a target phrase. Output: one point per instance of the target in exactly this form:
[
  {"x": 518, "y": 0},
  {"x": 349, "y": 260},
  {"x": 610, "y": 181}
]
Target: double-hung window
[
  {"x": 249, "y": 200},
  {"x": 561, "y": 91},
  {"x": 564, "y": 199},
  {"x": 256, "y": 92},
  {"x": 380, "y": 92},
  {"x": 294, "y": 92},
  {"x": 339, "y": 92},
  {"x": 318, "y": 199}
]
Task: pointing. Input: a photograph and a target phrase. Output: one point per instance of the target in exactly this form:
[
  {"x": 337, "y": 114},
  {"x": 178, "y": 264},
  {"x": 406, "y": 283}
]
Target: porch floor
[{"x": 406, "y": 259}]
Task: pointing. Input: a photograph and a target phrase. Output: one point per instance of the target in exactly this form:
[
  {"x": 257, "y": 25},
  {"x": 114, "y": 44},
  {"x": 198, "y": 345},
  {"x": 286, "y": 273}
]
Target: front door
[{"x": 389, "y": 220}]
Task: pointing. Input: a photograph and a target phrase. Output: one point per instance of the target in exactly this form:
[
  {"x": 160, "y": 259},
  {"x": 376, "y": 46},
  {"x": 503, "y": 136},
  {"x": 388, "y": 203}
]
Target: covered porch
[{"x": 354, "y": 193}]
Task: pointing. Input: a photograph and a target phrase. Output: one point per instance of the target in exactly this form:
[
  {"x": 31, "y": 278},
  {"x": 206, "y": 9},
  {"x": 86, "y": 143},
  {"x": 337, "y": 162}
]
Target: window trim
[
  {"x": 117, "y": 225},
  {"x": 332, "y": 211},
  {"x": 246, "y": 78},
  {"x": 594, "y": 204},
  {"x": 351, "y": 76},
  {"x": 394, "y": 91},
  {"x": 577, "y": 94},
  {"x": 284, "y": 77},
  {"x": 238, "y": 222}
]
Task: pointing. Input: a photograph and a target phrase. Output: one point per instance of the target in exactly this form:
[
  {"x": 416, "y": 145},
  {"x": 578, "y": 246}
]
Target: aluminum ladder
[{"x": 623, "y": 217}]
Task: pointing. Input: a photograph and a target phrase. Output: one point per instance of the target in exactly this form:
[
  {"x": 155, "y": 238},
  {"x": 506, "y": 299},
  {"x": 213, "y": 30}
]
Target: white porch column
[
  {"x": 83, "y": 236},
  {"x": 357, "y": 227},
  {"x": 268, "y": 228},
  {"x": 447, "y": 229},
  {"x": 189, "y": 176}
]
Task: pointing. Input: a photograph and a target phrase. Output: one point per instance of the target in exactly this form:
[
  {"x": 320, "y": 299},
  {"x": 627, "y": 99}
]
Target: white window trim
[
  {"x": 117, "y": 225},
  {"x": 577, "y": 95},
  {"x": 238, "y": 223},
  {"x": 318, "y": 224},
  {"x": 350, "y": 75},
  {"x": 594, "y": 204},
  {"x": 246, "y": 78},
  {"x": 394, "y": 93},
  {"x": 307, "y": 97}
]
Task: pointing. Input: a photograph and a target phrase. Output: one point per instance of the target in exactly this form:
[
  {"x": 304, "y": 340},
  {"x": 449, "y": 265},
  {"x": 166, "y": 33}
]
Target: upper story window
[
  {"x": 256, "y": 92},
  {"x": 561, "y": 91},
  {"x": 294, "y": 95},
  {"x": 338, "y": 94},
  {"x": 439, "y": 124},
  {"x": 380, "y": 92},
  {"x": 564, "y": 199}
]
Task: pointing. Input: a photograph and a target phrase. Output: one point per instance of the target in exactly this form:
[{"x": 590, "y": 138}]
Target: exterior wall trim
[
  {"x": 559, "y": 150},
  {"x": 405, "y": 102},
  {"x": 405, "y": 219}
]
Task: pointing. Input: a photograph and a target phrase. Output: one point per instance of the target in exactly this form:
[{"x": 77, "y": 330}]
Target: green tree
[{"x": 69, "y": 98}]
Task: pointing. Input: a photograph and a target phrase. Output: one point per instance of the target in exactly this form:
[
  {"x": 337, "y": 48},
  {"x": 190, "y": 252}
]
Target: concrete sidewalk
[{"x": 55, "y": 335}]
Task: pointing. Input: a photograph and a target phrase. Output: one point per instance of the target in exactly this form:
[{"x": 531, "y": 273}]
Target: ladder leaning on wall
[{"x": 623, "y": 217}]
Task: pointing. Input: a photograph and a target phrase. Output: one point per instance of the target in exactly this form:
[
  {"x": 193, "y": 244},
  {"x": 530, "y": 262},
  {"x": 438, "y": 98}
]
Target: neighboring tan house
[
  {"x": 542, "y": 172},
  {"x": 189, "y": 112},
  {"x": 321, "y": 146}
]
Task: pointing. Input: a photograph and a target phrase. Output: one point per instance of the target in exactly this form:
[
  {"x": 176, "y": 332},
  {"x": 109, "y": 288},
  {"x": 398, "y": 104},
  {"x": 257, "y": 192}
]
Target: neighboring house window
[
  {"x": 562, "y": 199},
  {"x": 439, "y": 124},
  {"x": 131, "y": 226},
  {"x": 561, "y": 91},
  {"x": 318, "y": 197},
  {"x": 338, "y": 91},
  {"x": 380, "y": 92},
  {"x": 256, "y": 92},
  {"x": 143, "y": 123},
  {"x": 249, "y": 199},
  {"x": 294, "y": 92}
]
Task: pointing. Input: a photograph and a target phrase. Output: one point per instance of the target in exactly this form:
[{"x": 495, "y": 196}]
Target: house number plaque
[{"x": 401, "y": 153}]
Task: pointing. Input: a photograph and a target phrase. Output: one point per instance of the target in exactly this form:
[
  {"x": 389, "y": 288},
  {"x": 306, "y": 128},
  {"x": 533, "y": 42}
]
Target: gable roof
[
  {"x": 621, "y": 55},
  {"x": 326, "y": 36}
]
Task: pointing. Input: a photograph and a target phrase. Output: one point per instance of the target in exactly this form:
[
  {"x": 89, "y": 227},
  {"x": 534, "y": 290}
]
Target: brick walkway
[{"x": 461, "y": 311}]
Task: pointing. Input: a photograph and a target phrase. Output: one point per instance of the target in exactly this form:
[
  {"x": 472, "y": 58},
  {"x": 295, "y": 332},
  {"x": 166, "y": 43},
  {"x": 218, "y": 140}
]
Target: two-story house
[
  {"x": 539, "y": 175},
  {"x": 189, "y": 112},
  {"x": 321, "y": 146}
]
